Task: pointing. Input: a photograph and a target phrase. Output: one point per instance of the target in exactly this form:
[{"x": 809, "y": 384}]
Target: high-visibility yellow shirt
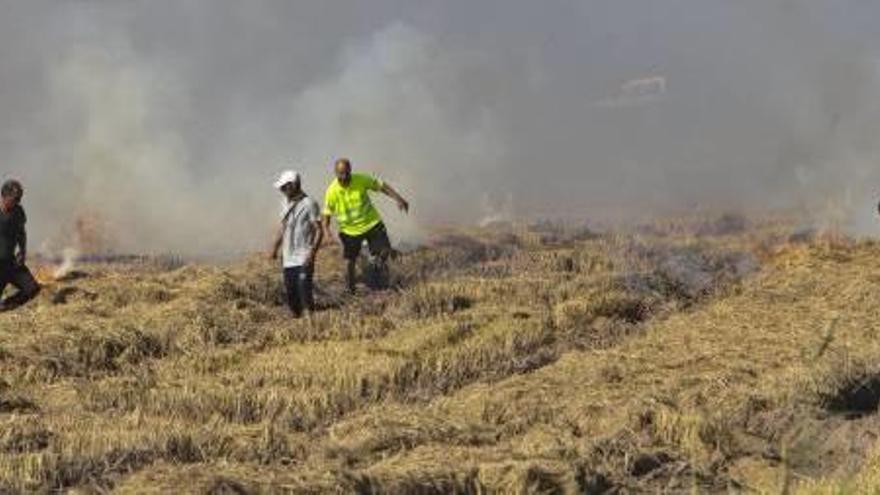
[{"x": 351, "y": 205}]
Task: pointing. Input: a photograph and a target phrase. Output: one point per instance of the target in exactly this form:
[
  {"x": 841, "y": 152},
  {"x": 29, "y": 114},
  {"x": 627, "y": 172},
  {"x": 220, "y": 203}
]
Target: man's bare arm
[
  {"x": 391, "y": 193},
  {"x": 319, "y": 238},
  {"x": 276, "y": 243},
  {"x": 316, "y": 243},
  {"x": 327, "y": 233},
  {"x": 325, "y": 226}
]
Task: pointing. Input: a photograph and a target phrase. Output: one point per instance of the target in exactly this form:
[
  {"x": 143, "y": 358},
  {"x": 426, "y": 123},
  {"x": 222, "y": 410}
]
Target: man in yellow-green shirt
[{"x": 348, "y": 200}]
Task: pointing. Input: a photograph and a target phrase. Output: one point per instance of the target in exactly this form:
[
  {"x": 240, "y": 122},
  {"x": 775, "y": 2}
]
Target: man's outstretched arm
[{"x": 391, "y": 193}]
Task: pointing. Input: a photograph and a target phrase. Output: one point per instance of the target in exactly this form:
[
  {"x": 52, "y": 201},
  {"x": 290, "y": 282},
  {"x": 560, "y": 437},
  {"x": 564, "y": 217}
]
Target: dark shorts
[{"x": 377, "y": 240}]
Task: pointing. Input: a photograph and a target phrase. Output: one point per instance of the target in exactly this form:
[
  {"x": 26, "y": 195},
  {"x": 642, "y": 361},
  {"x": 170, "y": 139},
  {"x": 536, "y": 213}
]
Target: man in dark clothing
[{"x": 13, "y": 248}]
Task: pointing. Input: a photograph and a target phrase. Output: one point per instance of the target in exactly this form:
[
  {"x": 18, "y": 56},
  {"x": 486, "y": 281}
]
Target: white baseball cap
[{"x": 286, "y": 177}]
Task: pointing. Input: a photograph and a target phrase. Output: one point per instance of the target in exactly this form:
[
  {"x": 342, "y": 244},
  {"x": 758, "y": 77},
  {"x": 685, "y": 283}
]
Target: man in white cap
[{"x": 299, "y": 238}]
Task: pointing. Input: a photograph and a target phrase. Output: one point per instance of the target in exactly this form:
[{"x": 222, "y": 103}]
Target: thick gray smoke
[{"x": 161, "y": 124}]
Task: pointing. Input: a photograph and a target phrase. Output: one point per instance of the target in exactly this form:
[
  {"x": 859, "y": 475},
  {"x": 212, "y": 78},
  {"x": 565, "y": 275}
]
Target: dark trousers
[
  {"x": 19, "y": 277},
  {"x": 299, "y": 286}
]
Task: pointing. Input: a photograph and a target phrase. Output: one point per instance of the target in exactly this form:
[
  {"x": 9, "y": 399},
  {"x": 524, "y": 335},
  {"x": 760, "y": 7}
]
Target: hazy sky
[{"x": 168, "y": 119}]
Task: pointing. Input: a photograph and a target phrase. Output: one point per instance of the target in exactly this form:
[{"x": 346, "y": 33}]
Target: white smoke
[
  {"x": 125, "y": 162},
  {"x": 168, "y": 121},
  {"x": 393, "y": 108},
  {"x": 69, "y": 258}
]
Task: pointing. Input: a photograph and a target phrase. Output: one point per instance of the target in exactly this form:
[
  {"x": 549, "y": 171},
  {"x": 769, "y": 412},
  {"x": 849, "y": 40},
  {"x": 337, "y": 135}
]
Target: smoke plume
[{"x": 162, "y": 124}]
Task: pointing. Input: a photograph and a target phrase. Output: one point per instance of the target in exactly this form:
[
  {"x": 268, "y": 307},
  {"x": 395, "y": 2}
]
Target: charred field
[{"x": 689, "y": 356}]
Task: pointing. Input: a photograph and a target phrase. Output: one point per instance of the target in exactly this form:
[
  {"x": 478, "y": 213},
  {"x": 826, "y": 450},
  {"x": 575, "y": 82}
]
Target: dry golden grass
[{"x": 539, "y": 360}]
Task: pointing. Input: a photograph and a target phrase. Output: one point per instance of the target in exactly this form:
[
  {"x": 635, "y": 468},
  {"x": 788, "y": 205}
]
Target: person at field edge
[
  {"x": 348, "y": 200},
  {"x": 13, "y": 248},
  {"x": 299, "y": 239}
]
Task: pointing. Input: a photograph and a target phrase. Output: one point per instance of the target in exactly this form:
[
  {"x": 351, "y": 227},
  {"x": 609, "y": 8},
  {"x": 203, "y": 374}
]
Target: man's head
[
  {"x": 343, "y": 171},
  {"x": 289, "y": 183},
  {"x": 11, "y": 194}
]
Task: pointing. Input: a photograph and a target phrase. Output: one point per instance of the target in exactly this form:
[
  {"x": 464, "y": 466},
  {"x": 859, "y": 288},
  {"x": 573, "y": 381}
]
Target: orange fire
[
  {"x": 86, "y": 236},
  {"x": 45, "y": 274}
]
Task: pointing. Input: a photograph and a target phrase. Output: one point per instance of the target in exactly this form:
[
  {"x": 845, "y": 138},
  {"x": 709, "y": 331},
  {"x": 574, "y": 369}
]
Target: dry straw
[{"x": 533, "y": 360}]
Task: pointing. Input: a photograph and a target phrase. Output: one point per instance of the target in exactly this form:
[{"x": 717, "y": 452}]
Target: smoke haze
[{"x": 166, "y": 121}]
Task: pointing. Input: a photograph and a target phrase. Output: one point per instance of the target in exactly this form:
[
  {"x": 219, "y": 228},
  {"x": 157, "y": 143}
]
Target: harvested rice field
[{"x": 543, "y": 359}]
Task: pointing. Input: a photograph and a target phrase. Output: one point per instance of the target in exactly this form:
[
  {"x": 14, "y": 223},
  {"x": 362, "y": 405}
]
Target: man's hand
[
  {"x": 391, "y": 193},
  {"x": 310, "y": 259},
  {"x": 272, "y": 254},
  {"x": 21, "y": 258}
]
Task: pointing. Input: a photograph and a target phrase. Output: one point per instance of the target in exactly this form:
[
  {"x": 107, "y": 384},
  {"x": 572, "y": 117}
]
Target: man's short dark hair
[{"x": 11, "y": 187}]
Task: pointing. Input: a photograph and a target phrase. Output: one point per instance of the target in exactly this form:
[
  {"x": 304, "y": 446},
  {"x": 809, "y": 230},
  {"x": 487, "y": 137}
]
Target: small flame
[{"x": 45, "y": 274}]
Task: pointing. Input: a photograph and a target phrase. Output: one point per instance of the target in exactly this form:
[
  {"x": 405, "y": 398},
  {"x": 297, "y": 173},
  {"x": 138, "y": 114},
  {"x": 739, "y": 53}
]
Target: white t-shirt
[{"x": 300, "y": 230}]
